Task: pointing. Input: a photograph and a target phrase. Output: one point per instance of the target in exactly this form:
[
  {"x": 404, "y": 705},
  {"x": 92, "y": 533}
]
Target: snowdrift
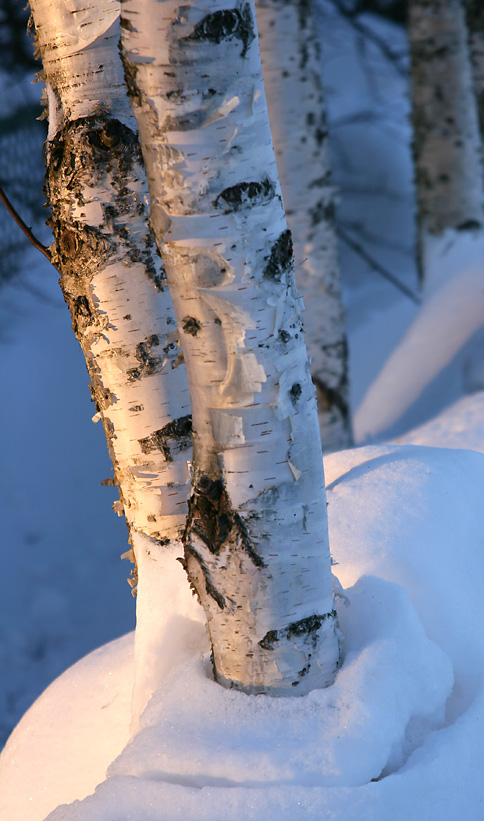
[{"x": 397, "y": 736}]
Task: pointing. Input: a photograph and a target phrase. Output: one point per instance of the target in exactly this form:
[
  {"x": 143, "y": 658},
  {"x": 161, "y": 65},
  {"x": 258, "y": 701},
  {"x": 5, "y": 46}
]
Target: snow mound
[
  {"x": 197, "y": 734},
  {"x": 438, "y": 358},
  {"x": 398, "y": 735},
  {"x": 461, "y": 426},
  {"x": 64, "y": 743}
]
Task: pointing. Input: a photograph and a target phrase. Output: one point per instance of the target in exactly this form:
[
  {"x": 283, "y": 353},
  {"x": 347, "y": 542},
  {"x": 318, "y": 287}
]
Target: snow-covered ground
[{"x": 399, "y": 734}]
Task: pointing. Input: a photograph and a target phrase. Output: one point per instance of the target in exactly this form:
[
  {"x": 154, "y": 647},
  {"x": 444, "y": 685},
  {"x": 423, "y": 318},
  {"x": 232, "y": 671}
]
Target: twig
[
  {"x": 384, "y": 272},
  {"x": 25, "y": 228}
]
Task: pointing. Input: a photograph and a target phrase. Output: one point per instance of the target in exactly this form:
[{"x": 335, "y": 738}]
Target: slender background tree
[
  {"x": 292, "y": 78},
  {"x": 446, "y": 133}
]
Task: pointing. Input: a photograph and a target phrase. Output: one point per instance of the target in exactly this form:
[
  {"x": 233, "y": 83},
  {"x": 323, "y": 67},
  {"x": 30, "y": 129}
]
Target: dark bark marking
[
  {"x": 322, "y": 212},
  {"x": 191, "y": 325},
  {"x": 210, "y": 588},
  {"x": 126, "y": 24},
  {"x": 307, "y": 628},
  {"x": 148, "y": 364},
  {"x": 281, "y": 257},
  {"x": 104, "y": 143},
  {"x": 329, "y": 398},
  {"x": 246, "y": 194},
  {"x": 68, "y": 244},
  {"x": 212, "y": 518},
  {"x": 130, "y": 72},
  {"x": 284, "y": 336},
  {"x": 225, "y": 24},
  {"x": 320, "y": 135},
  {"x": 469, "y": 225},
  {"x": 175, "y": 435},
  {"x": 295, "y": 392},
  {"x": 270, "y": 639}
]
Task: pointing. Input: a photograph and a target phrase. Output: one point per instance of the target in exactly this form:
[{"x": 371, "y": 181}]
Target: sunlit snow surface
[{"x": 399, "y": 733}]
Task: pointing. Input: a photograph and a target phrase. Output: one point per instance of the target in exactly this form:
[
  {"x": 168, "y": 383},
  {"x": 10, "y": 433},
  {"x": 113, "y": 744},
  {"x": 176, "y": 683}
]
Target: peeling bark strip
[
  {"x": 256, "y": 544},
  {"x": 446, "y": 134},
  {"x": 111, "y": 274},
  {"x": 292, "y": 78}
]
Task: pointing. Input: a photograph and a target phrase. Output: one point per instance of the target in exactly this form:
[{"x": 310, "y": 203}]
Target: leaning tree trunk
[
  {"x": 115, "y": 286},
  {"x": 446, "y": 133},
  {"x": 256, "y": 542},
  {"x": 292, "y": 78},
  {"x": 475, "y": 26}
]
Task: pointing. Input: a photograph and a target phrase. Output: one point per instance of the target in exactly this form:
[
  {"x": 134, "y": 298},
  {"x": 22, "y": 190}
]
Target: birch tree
[
  {"x": 292, "y": 78},
  {"x": 256, "y": 545},
  {"x": 114, "y": 283},
  {"x": 446, "y": 134},
  {"x": 475, "y": 26}
]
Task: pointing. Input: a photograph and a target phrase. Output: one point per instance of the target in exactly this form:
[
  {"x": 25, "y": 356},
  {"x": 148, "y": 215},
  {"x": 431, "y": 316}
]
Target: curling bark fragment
[
  {"x": 446, "y": 134},
  {"x": 256, "y": 545},
  {"x": 292, "y": 79}
]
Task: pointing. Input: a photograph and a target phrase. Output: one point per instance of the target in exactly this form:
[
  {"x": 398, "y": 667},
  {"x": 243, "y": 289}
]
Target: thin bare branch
[
  {"x": 367, "y": 32},
  {"x": 380, "y": 269},
  {"x": 25, "y": 228}
]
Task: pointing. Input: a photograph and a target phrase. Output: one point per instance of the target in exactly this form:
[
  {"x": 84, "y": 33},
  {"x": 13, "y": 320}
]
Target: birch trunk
[
  {"x": 446, "y": 135},
  {"x": 256, "y": 545},
  {"x": 115, "y": 286},
  {"x": 475, "y": 26},
  {"x": 292, "y": 79}
]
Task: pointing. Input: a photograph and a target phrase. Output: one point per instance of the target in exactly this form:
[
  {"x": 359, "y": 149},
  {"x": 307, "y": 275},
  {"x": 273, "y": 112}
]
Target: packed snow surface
[{"x": 399, "y": 733}]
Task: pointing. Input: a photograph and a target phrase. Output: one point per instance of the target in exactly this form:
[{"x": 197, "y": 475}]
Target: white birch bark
[
  {"x": 475, "y": 27},
  {"x": 114, "y": 283},
  {"x": 292, "y": 79},
  {"x": 256, "y": 543},
  {"x": 446, "y": 134}
]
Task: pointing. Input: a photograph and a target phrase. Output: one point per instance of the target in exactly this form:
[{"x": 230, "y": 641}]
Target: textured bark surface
[
  {"x": 256, "y": 543},
  {"x": 475, "y": 25},
  {"x": 111, "y": 274},
  {"x": 292, "y": 79},
  {"x": 446, "y": 135}
]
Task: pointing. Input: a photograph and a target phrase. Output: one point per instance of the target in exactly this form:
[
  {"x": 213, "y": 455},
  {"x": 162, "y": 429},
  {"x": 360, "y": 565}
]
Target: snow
[
  {"x": 405, "y": 709},
  {"x": 399, "y": 734},
  {"x": 443, "y": 342}
]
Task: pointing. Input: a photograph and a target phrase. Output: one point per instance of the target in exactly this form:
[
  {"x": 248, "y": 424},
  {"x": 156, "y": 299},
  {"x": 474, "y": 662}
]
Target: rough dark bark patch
[
  {"x": 329, "y": 398},
  {"x": 148, "y": 364},
  {"x": 322, "y": 212},
  {"x": 246, "y": 194},
  {"x": 213, "y": 519},
  {"x": 469, "y": 225},
  {"x": 295, "y": 392},
  {"x": 130, "y": 70},
  {"x": 210, "y": 588},
  {"x": 108, "y": 147},
  {"x": 191, "y": 325},
  {"x": 176, "y": 434},
  {"x": 281, "y": 257},
  {"x": 225, "y": 25},
  {"x": 308, "y": 627}
]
